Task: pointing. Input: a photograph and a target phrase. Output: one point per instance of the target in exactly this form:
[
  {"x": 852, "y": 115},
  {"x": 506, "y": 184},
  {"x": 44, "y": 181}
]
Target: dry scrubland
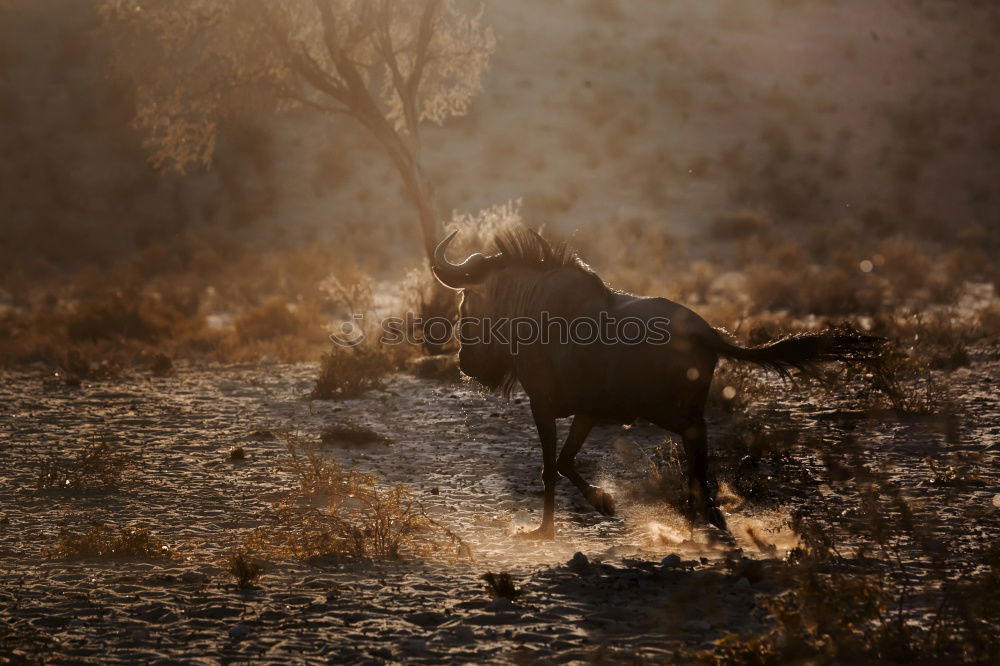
[{"x": 191, "y": 470}]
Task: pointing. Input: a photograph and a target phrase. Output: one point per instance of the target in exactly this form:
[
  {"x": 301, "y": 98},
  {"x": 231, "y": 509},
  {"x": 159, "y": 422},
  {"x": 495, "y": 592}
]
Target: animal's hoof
[
  {"x": 602, "y": 501},
  {"x": 543, "y": 533}
]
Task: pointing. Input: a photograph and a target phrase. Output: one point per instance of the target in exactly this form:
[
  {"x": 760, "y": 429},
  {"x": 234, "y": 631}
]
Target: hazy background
[{"x": 601, "y": 115}]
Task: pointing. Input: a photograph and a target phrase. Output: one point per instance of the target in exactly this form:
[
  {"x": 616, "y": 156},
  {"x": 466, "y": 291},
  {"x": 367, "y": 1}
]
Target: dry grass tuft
[
  {"x": 341, "y": 514},
  {"x": 245, "y": 568},
  {"x": 347, "y": 372},
  {"x": 500, "y": 585},
  {"x": 121, "y": 315},
  {"x": 99, "y": 465},
  {"x": 75, "y": 368},
  {"x": 104, "y": 542},
  {"x": 162, "y": 365}
]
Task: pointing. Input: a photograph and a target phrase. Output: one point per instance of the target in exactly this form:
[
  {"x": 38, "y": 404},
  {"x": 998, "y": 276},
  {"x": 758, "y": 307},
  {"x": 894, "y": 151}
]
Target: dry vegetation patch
[
  {"x": 341, "y": 514},
  {"x": 501, "y": 585},
  {"x": 98, "y": 465},
  {"x": 245, "y": 569},
  {"x": 872, "y": 582},
  {"x": 107, "y": 542}
]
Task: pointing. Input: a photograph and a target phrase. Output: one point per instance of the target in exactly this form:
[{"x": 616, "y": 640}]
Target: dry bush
[
  {"x": 74, "y": 368},
  {"x": 347, "y": 372},
  {"x": 161, "y": 365},
  {"x": 342, "y": 514},
  {"x": 500, "y": 585},
  {"x": 121, "y": 315},
  {"x": 99, "y": 465},
  {"x": 939, "y": 339},
  {"x": 105, "y": 542},
  {"x": 273, "y": 319},
  {"x": 244, "y": 568},
  {"x": 853, "y": 594},
  {"x": 275, "y": 330},
  {"x": 783, "y": 277}
]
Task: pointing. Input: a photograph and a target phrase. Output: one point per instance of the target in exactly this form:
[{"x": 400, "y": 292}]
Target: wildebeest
[{"x": 664, "y": 381}]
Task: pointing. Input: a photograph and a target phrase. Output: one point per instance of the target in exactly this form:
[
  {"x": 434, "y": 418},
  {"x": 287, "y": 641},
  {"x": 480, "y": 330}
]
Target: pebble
[
  {"x": 240, "y": 630},
  {"x": 194, "y": 577},
  {"x": 579, "y": 563},
  {"x": 464, "y": 633},
  {"x": 671, "y": 561},
  {"x": 500, "y": 604},
  {"x": 413, "y": 646},
  {"x": 426, "y": 619}
]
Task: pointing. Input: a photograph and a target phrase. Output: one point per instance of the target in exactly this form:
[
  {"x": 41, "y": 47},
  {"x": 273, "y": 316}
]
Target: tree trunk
[
  {"x": 438, "y": 303},
  {"x": 418, "y": 187}
]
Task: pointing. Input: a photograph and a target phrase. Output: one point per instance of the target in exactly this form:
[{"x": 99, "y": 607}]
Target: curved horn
[{"x": 458, "y": 276}]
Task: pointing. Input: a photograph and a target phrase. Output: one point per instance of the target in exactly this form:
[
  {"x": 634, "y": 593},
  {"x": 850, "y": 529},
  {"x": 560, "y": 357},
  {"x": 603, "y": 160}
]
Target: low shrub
[
  {"x": 347, "y": 372},
  {"x": 342, "y": 514},
  {"x": 244, "y": 568},
  {"x": 105, "y": 542},
  {"x": 99, "y": 465},
  {"x": 121, "y": 315},
  {"x": 873, "y": 584},
  {"x": 500, "y": 585}
]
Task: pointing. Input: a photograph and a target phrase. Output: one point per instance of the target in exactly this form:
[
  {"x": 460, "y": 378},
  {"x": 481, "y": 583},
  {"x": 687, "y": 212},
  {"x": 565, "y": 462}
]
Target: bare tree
[{"x": 389, "y": 64}]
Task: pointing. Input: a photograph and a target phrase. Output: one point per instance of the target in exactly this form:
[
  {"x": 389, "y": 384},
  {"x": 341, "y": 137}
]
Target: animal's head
[
  {"x": 479, "y": 358},
  {"x": 509, "y": 283}
]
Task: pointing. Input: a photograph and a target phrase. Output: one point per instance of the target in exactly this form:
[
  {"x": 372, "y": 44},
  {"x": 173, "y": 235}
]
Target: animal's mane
[
  {"x": 519, "y": 296},
  {"x": 523, "y": 247}
]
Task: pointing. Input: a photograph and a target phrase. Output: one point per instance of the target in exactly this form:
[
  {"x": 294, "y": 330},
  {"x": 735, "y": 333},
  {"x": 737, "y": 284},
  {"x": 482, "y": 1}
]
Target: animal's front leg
[{"x": 550, "y": 474}]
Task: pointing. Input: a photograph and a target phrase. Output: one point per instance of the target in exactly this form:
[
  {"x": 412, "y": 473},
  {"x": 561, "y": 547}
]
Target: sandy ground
[{"x": 473, "y": 460}]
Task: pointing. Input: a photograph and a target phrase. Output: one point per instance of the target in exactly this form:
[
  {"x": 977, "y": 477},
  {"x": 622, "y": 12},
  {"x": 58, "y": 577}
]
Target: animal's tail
[{"x": 802, "y": 350}]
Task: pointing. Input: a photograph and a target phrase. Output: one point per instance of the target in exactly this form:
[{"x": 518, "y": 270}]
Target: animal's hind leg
[
  {"x": 699, "y": 494},
  {"x": 578, "y": 431}
]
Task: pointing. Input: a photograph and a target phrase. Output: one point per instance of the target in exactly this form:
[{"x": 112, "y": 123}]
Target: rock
[
  {"x": 465, "y": 634},
  {"x": 578, "y": 563},
  {"x": 138, "y": 635},
  {"x": 413, "y": 646},
  {"x": 155, "y": 612},
  {"x": 51, "y": 622},
  {"x": 500, "y": 604},
  {"x": 671, "y": 561},
  {"x": 743, "y": 582},
  {"x": 272, "y": 616},
  {"x": 240, "y": 630},
  {"x": 194, "y": 577},
  {"x": 426, "y": 619}
]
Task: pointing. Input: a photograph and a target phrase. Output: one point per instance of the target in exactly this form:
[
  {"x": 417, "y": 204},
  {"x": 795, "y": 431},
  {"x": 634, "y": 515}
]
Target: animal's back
[{"x": 625, "y": 379}]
